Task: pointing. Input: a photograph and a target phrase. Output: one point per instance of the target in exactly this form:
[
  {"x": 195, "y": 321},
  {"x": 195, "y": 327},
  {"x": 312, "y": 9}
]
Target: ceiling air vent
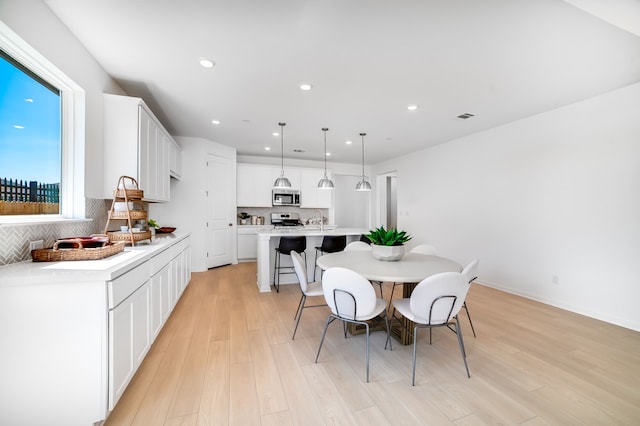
[
  {"x": 298, "y": 150},
  {"x": 465, "y": 116}
]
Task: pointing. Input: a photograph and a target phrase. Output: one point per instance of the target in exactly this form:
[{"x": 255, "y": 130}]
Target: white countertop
[
  {"x": 310, "y": 231},
  {"x": 28, "y": 272}
]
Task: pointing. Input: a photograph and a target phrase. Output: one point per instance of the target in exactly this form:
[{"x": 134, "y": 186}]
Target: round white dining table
[{"x": 410, "y": 270}]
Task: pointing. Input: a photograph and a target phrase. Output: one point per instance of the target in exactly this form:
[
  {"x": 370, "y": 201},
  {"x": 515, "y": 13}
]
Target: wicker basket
[
  {"x": 132, "y": 193},
  {"x": 129, "y": 194},
  {"x": 51, "y": 255},
  {"x": 127, "y": 236},
  {"x": 133, "y": 214}
]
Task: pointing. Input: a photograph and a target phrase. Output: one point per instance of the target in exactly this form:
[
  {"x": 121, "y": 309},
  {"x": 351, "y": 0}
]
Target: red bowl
[
  {"x": 93, "y": 241},
  {"x": 165, "y": 230}
]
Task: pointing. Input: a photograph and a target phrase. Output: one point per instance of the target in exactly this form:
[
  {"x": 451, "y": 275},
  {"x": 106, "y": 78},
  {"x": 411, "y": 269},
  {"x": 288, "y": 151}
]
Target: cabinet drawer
[
  {"x": 161, "y": 260},
  {"x": 125, "y": 285}
]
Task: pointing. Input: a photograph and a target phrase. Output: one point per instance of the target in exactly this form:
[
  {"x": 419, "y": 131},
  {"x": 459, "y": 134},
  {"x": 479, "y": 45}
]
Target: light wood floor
[{"x": 225, "y": 357}]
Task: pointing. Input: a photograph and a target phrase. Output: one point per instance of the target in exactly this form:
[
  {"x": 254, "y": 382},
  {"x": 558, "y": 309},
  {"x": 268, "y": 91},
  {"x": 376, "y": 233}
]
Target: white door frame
[{"x": 381, "y": 197}]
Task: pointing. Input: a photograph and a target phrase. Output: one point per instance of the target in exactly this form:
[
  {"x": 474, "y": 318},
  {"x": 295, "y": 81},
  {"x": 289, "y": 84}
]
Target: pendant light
[
  {"x": 325, "y": 182},
  {"x": 363, "y": 185},
  {"x": 282, "y": 182}
]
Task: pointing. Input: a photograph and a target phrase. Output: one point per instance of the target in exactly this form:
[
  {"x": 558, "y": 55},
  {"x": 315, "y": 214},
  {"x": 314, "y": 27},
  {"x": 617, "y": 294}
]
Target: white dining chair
[
  {"x": 424, "y": 249},
  {"x": 352, "y": 300},
  {"x": 357, "y": 246},
  {"x": 435, "y": 302},
  {"x": 420, "y": 249},
  {"x": 470, "y": 274},
  {"x": 362, "y": 246},
  {"x": 306, "y": 288}
]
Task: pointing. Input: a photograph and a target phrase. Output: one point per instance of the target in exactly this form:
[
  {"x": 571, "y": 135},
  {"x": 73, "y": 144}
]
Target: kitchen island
[
  {"x": 268, "y": 240},
  {"x": 73, "y": 333}
]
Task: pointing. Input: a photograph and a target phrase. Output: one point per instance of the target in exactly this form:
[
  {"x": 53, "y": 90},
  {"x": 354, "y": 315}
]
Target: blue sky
[{"x": 29, "y": 128}]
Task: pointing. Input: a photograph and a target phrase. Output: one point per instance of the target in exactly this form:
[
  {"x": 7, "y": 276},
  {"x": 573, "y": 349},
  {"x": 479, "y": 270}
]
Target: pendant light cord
[
  {"x": 324, "y": 129},
  {"x": 363, "y": 135},
  {"x": 282, "y": 148}
]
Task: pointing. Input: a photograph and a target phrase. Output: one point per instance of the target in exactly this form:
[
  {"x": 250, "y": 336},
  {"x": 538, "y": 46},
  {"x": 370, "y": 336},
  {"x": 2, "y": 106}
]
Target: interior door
[{"x": 220, "y": 211}]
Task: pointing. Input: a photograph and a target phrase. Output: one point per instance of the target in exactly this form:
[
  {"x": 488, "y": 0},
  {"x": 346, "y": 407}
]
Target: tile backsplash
[{"x": 14, "y": 239}]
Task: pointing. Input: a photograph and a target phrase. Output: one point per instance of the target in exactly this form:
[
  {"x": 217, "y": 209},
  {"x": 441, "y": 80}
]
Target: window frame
[{"x": 72, "y": 98}]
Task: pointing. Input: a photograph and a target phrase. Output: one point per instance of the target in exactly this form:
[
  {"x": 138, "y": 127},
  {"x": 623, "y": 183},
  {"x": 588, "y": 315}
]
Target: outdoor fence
[{"x": 28, "y": 197}]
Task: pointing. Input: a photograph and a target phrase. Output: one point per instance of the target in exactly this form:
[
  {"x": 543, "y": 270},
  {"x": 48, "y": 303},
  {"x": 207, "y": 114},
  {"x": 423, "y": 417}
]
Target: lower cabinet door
[
  {"x": 159, "y": 299},
  {"x": 129, "y": 340}
]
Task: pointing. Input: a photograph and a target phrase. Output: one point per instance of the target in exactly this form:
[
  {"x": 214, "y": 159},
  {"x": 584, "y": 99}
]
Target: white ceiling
[{"x": 367, "y": 60}]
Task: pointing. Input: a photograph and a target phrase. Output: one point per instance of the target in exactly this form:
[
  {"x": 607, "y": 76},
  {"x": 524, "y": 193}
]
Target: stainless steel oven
[{"x": 285, "y": 197}]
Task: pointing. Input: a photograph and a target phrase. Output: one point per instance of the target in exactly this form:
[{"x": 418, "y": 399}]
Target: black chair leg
[
  {"x": 461, "y": 343},
  {"x": 469, "y": 316},
  {"x": 276, "y": 275}
]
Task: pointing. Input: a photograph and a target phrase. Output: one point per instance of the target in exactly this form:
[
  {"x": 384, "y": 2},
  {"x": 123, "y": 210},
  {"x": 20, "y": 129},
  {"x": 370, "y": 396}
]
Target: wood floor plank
[
  {"x": 225, "y": 357},
  {"x": 303, "y": 410},
  {"x": 268, "y": 385},
  {"x": 334, "y": 410},
  {"x": 186, "y": 399},
  {"x": 214, "y": 402},
  {"x": 244, "y": 408},
  {"x": 280, "y": 418}
]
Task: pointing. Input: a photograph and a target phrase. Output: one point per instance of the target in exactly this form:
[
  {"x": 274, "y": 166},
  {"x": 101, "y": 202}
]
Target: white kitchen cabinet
[
  {"x": 137, "y": 145},
  {"x": 310, "y": 195},
  {"x": 159, "y": 294},
  {"x": 175, "y": 160},
  {"x": 247, "y": 244},
  {"x": 254, "y": 184},
  {"x": 83, "y": 328},
  {"x": 129, "y": 340}
]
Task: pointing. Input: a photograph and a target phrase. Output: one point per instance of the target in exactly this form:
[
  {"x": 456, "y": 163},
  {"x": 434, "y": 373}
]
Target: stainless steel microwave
[{"x": 285, "y": 197}]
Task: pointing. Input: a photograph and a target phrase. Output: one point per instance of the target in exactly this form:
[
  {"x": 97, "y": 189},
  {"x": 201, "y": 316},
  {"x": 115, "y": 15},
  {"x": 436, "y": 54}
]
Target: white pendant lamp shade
[
  {"x": 325, "y": 182},
  {"x": 363, "y": 185},
  {"x": 282, "y": 181}
]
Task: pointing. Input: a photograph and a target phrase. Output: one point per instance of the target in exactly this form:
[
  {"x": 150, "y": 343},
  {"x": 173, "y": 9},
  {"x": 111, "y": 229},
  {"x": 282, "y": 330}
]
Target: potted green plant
[
  {"x": 387, "y": 244},
  {"x": 243, "y": 217},
  {"x": 153, "y": 225}
]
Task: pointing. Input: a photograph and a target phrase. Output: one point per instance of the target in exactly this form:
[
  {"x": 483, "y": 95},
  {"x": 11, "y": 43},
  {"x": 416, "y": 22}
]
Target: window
[
  {"x": 61, "y": 151},
  {"x": 30, "y": 141}
]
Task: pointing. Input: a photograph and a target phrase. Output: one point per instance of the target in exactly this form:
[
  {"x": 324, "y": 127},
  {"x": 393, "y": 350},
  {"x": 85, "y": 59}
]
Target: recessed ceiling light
[
  {"x": 267, "y": 148},
  {"x": 275, "y": 134},
  {"x": 305, "y": 86},
  {"x": 348, "y": 142},
  {"x": 412, "y": 107},
  {"x": 206, "y": 63},
  {"x": 328, "y": 154},
  {"x": 216, "y": 122}
]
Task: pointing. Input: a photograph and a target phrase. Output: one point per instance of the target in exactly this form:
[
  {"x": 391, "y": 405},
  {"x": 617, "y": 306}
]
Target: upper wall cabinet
[
  {"x": 175, "y": 160},
  {"x": 137, "y": 145},
  {"x": 310, "y": 195},
  {"x": 254, "y": 185}
]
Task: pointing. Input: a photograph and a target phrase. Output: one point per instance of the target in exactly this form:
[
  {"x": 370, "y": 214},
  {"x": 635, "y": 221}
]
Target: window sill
[{"x": 37, "y": 220}]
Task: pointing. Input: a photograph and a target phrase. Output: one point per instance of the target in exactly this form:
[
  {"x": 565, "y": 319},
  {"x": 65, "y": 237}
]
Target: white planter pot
[{"x": 387, "y": 253}]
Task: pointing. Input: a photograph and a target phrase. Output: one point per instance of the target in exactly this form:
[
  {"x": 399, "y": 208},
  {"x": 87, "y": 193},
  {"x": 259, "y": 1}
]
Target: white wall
[
  {"x": 553, "y": 194},
  {"x": 187, "y": 209}
]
